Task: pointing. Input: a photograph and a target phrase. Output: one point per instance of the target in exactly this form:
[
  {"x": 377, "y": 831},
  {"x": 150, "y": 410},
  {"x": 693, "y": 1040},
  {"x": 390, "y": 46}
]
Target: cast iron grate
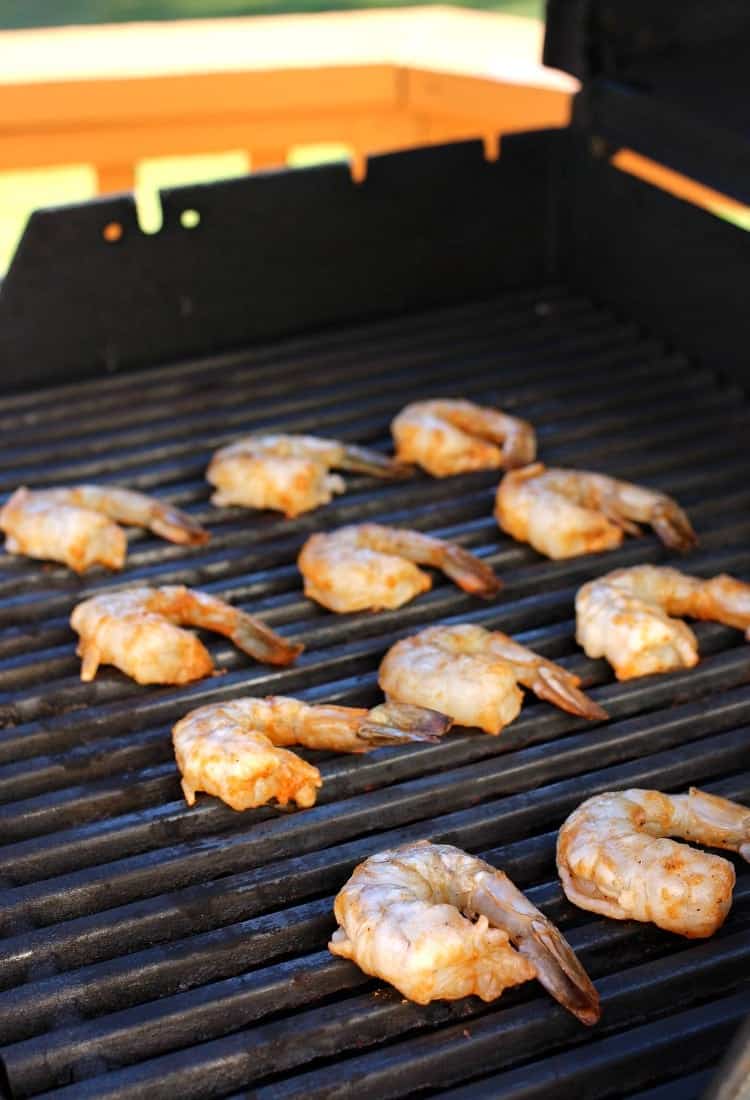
[{"x": 151, "y": 950}]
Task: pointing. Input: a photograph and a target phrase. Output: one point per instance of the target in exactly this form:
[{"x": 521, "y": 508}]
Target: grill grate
[{"x": 149, "y": 950}]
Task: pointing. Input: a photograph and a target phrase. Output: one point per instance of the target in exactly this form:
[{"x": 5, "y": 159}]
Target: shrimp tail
[
  {"x": 561, "y": 688},
  {"x": 560, "y": 971},
  {"x": 90, "y": 658},
  {"x": 254, "y": 637},
  {"x": 394, "y": 723},
  {"x": 728, "y": 601},
  {"x": 720, "y": 822},
  {"x": 614, "y": 508},
  {"x": 364, "y": 460},
  {"x": 469, "y": 572},
  {"x": 537, "y": 939},
  {"x": 673, "y": 527},
  {"x": 612, "y": 511},
  {"x": 526, "y": 473},
  {"x": 177, "y": 526},
  {"x": 519, "y": 448}
]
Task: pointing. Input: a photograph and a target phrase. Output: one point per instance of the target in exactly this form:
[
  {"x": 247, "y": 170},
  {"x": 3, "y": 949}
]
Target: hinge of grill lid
[{"x": 669, "y": 79}]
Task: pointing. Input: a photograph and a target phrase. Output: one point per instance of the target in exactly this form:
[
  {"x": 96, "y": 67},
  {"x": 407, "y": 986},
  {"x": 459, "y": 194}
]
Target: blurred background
[
  {"x": 106, "y": 96},
  {"x": 101, "y": 96},
  {"x": 56, "y": 13}
]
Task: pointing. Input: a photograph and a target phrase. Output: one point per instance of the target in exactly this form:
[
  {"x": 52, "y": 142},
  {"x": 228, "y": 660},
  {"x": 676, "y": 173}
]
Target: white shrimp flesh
[
  {"x": 439, "y": 924},
  {"x": 627, "y": 616},
  {"x": 614, "y": 857},
  {"x": 139, "y": 631},
  {"x": 371, "y": 567},
  {"x": 565, "y": 513},
  {"x": 80, "y": 526},
  {"x": 472, "y": 674},
  {"x": 290, "y": 473},
  {"x": 451, "y": 436},
  {"x": 238, "y": 751}
]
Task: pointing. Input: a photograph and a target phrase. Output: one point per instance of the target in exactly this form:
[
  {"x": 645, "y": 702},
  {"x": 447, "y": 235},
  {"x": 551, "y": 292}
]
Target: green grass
[{"x": 15, "y": 14}]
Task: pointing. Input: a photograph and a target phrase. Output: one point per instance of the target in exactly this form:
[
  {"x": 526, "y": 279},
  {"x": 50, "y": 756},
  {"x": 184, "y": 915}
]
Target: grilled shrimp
[
  {"x": 369, "y": 566},
  {"x": 236, "y": 750},
  {"x": 564, "y": 513},
  {"x": 406, "y": 916},
  {"x": 452, "y": 437},
  {"x": 613, "y": 857},
  {"x": 138, "y": 630},
  {"x": 472, "y": 674},
  {"x": 290, "y": 473},
  {"x": 79, "y": 526},
  {"x": 625, "y": 616}
]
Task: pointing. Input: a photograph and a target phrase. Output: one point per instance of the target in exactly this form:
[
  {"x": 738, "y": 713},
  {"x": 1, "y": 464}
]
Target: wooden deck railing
[
  {"x": 114, "y": 97},
  {"x": 372, "y": 81}
]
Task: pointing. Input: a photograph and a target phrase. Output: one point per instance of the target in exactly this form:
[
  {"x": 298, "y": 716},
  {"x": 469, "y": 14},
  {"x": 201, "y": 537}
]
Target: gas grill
[{"x": 152, "y": 950}]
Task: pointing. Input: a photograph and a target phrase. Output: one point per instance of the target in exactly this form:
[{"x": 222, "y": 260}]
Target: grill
[
  {"x": 154, "y": 950},
  {"x": 151, "y": 950}
]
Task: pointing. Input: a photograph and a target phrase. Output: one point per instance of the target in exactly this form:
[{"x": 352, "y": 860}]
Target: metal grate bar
[
  {"x": 530, "y": 1026},
  {"x": 148, "y": 949}
]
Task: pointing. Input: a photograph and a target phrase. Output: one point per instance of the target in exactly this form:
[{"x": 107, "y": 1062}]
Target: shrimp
[
  {"x": 236, "y": 750},
  {"x": 453, "y": 437},
  {"x": 625, "y": 616},
  {"x": 407, "y": 916},
  {"x": 564, "y": 513},
  {"x": 79, "y": 526},
  {"x": 290, "y": 472},
  {"x": 613, "y": 858},
  {"x": 137, "y": 631},
  {"x": 371, "y": 567},
  {"x": 473, "y": 675}
]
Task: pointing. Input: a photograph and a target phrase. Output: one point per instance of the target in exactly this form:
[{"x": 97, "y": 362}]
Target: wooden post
[
  {"x": 267, "y": 157},
  {"x": 115, "y": 177}
]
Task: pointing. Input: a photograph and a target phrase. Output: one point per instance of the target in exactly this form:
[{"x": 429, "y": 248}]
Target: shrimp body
[
  {"x": 614, "y": 857},
  {"x": 237, "y": 751},
  {"x": 625, "y": 616},
  {"x": 289, "y": 473},
  {"x": 564, "y": 513},
  {"x": 405, "y": 916},
  {"x": 79, "y": 526},
  {"x": 453, "y": 437},
  {"x": 472, "y": 674},
  {"x": 139, "y": 631},
  {"x": 373, "y": 567}
]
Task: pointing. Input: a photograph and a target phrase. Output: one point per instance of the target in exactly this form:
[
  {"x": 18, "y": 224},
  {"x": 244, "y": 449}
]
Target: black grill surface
[{"x": 151, "y": 950}]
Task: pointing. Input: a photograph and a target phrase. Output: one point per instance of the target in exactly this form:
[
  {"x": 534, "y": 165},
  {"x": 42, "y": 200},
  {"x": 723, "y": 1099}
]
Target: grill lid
[{"x": 670, "y": 80}]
